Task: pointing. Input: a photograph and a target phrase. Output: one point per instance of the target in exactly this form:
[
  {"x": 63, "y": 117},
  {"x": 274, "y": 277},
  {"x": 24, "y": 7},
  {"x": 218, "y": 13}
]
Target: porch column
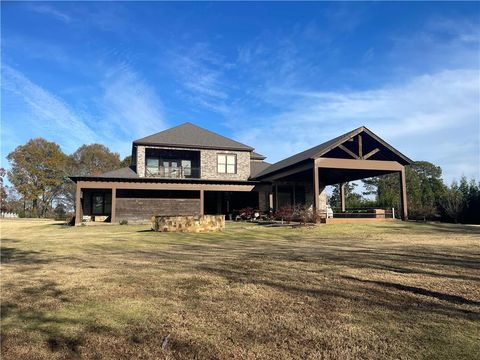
[
  {"x": 201, "y": 202},
  {"x": 270, "y": 201},
  {"x": 316, "y": 188},
  {"x": 78, "y": 205},
  {"x": 342, "y": 196},
  {"x": 113, "y": 213},
  {"x": 403, "y": 194}
]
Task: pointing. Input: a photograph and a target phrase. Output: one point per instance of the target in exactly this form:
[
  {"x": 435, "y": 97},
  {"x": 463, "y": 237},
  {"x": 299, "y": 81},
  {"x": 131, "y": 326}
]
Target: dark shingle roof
[
  {"x": 323, "y": 148},
  {"x": 123, "y": 173},
  {"x": 192, "y": 136},
  {"x": 256, "y": 156},
  {"x": 257, "y": 167}
]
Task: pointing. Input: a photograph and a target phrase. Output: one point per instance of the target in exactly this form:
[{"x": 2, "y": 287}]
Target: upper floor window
[{"x": 226, "y": 164}]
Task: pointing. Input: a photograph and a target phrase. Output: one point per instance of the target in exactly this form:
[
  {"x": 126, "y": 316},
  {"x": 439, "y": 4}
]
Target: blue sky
[{"x": 280, "y": 77}]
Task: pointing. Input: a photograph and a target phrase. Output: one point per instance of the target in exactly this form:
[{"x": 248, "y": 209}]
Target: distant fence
[{"x": 8, "y": 215}]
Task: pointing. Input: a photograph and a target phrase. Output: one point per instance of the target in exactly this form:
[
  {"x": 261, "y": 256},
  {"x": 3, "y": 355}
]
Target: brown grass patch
[{"x": 377, "y": 291}]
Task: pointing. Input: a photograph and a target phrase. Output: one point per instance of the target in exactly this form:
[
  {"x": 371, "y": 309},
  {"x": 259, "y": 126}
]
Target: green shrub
[{"x": 123, "y": 222}]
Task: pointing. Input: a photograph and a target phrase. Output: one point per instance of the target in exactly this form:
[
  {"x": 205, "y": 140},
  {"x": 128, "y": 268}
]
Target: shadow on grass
[
  {"x": 418, "y": 291},
  {"x": 17, "y": 256}
]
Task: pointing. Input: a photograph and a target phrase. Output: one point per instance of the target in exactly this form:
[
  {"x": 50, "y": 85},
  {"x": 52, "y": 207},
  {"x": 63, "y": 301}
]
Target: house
[{"x": 188, "y": 170}]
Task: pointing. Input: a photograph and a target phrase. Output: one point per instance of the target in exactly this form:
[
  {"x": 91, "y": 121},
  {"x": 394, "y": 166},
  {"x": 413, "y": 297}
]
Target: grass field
[{"x": 379, "y": 291}]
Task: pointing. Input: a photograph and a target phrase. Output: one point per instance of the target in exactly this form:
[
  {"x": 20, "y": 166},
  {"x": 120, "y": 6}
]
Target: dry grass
[{"x": 381, "y": 291}]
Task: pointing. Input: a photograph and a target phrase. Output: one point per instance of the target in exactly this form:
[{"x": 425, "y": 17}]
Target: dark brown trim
[{"x": 204, "y": 147}]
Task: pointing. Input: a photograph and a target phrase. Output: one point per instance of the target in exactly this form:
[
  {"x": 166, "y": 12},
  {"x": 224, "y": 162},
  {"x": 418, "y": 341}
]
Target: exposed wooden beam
[
  {"x": 335, "y": 163},
  {"x": 348, "y": 151},
  {"x": 371, "y": 153},
  {"x": 161, "y": 186},
  {"x": 360, "y": 146},
  {"x": 403, "y": 194},
  {"x": 78, "y": 205},
  {"x": 316, "y": 187}
]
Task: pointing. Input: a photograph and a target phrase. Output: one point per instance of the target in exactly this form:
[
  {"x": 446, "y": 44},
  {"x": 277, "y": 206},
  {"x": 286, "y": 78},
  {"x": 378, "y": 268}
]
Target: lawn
[{"x": 378, "y": 291}]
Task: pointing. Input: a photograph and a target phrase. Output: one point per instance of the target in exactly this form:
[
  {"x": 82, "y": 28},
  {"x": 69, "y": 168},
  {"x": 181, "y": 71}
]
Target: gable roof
[
  {"x": 322, "y": 149},
  {"x": 192, "y": 136}
]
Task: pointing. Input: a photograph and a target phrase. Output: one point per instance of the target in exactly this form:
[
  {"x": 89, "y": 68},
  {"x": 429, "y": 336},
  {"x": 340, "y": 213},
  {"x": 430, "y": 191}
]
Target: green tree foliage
[
  {"x": 461, "y": 202},
  {"x": 127, "y": 161},
  {"x": 37, "y": 173},
  {"x": 353, "y": 200},
  {"x": 424, "y": 189}
]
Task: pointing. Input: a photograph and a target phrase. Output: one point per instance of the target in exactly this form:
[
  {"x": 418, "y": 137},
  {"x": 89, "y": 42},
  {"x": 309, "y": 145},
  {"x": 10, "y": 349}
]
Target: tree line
[
  {"x": 39, "y": 172},
  {"x": 429, "y": 198},
  {"x": 40, "y": 186}
]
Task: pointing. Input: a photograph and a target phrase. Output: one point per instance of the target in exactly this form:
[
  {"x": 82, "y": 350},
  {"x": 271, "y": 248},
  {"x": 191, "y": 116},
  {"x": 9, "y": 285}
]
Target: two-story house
[{"x": 188, "y": 170}]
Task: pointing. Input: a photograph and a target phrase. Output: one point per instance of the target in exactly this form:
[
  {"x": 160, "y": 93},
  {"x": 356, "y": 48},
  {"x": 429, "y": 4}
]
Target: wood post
[
  {"x": 403, "y": 194},
  {"x": 201, "y": 202},
  {"x": 360, "y": 147},
  {"x": 342, "y": 196},
  {"x": 270, "y": 201},
  {"x": 78, "y": 205},
  {"x": 113, "y": 211},
  {"x": 316, "y": 188}
]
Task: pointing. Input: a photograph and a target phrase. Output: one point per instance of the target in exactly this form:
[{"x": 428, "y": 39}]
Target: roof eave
[{"x": 206, "y": 147}]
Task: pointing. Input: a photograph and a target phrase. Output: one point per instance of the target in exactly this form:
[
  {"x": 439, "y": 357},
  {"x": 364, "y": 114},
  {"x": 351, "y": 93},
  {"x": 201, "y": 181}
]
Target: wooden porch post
[
  {"x": 201, "y": 202},
  {"x": 113, "y": 213},
  {"x": 270, "y": 201},
  {"x": 342, "y": 196},
  {"x": 316, "y": 188},
  {"x": 403, "y": 194},
  {"x": 78, "y": 205}
]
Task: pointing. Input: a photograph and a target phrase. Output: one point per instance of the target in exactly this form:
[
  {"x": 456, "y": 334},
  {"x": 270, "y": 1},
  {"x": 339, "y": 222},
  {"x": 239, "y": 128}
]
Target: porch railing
[
  {"x": 178, "y": 172},
  {"x": 379, "y": 213}
]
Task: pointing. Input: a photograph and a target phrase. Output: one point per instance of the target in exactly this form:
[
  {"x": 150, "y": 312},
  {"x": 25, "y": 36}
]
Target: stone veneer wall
[
  {"x": 202, "y": 223},
  {"x": 208, "y": 163}
]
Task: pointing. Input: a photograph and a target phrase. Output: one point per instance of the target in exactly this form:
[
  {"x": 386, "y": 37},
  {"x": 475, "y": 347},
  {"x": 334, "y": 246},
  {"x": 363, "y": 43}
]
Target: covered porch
[{"x": 357, "y": 155}]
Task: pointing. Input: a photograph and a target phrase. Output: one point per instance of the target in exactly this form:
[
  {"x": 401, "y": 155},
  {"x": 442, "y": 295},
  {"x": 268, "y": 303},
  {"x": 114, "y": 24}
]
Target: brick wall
[{"x": 208, "y": 163}]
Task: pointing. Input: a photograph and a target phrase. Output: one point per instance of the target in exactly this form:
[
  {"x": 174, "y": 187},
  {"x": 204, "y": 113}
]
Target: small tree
[
  {"x": 284, "y": 213},
  {"x": 453, "y": 202}
]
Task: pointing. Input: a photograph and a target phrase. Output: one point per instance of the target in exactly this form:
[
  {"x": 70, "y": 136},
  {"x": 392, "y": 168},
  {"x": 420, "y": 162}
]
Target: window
[
  {"x": 187, "y": 167},
  {"x": 152, "y": 166},
  {"x": 226, "y": 164}
]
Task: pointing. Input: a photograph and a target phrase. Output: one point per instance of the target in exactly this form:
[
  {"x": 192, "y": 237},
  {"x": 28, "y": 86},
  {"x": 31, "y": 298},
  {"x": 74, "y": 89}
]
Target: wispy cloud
[
  {"x": 130, "y": 104},
  {"x": 427, "y": 117},
  {"x": 46, "y": 114},
  {"x": 46, "y": 9},
  {"x": 200, "y": 71}
]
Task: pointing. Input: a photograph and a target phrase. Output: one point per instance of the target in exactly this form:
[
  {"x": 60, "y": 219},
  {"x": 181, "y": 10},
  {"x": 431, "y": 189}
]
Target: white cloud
[
  {"x": 427, "y": 118},
  {"x": 45, "y": 114},
  {"x": 130, "y": 104},
  {"x": 43, "y": 8}
]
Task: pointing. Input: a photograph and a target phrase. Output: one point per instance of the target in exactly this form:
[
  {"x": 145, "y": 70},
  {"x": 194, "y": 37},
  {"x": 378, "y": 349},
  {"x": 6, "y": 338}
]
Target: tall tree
[
  {"x": 424, "y": 189},
  {"x": 37, "y": 173},
  {"x": 127, "y": 161},
  {"x": 352, "y": 199},
  {"x": 94, "y": 159}
]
